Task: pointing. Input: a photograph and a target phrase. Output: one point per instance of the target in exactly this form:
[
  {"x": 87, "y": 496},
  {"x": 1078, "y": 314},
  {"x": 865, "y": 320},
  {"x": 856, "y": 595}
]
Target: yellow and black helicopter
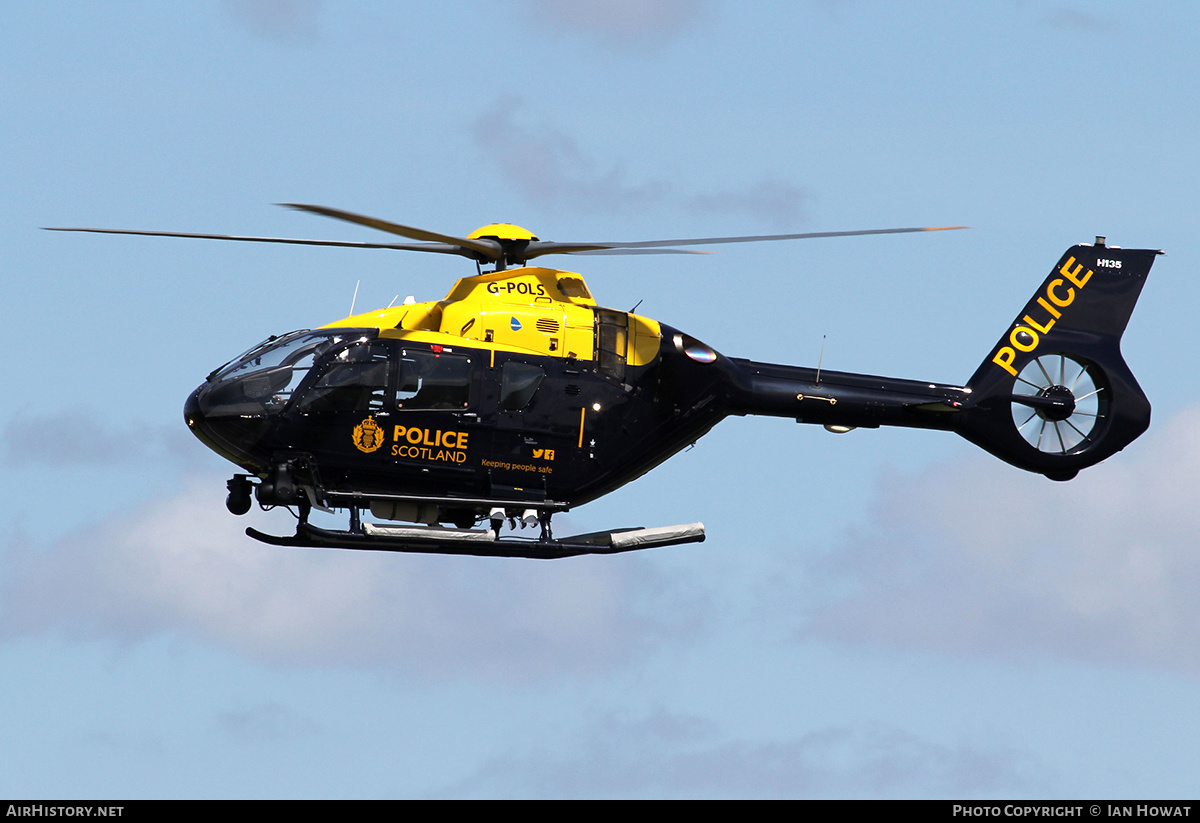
[{"x": 517, "y": 396}]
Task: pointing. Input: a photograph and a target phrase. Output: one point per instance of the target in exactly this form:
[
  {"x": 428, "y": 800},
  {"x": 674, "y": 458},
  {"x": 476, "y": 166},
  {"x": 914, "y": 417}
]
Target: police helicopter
[{"x": 518, "y": 396}]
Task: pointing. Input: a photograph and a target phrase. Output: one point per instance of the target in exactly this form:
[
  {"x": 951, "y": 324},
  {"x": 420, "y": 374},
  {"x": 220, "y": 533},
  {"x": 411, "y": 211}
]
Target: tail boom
[{"x": 1054, "y": 395}]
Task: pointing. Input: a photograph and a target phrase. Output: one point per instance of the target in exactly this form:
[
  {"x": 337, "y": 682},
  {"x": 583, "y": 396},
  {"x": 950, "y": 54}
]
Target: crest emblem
[{"x": 368, "y": 436}]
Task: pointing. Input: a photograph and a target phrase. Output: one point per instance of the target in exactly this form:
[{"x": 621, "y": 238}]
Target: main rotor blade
[
  {"x": 440, "y": 248},
  {"x": 540, "y": 247},
  {"x": 635, "y": 251},
  {"x": 487, "y": 249},
  {"x": 493, "y": 251}
]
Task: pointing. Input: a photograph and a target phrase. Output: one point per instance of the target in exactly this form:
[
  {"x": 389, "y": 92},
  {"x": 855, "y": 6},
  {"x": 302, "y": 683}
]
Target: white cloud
[
  {"x": 550, "y": 168},
  {"x": 183, "y": 566},
  {"x": 267, "y": 721},
  {"x": 285, "y": 21},
  {"x": 978, "y": 558},
  {"x": 1074, "y": 21},
  {"x": 671, "y": 755},
  {"x": 74, "y": 438},
  {"x": 771, "y": 201},
  {"x": 621, "y": 23}
]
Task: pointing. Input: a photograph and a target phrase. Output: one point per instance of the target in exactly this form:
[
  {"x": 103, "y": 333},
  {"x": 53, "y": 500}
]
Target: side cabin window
[
  {"x": 433, "y": 380},
  {"x": 612, "y": 337},
  {"x": 518, "y": 383},
  {"x": 355, "y": 379}
]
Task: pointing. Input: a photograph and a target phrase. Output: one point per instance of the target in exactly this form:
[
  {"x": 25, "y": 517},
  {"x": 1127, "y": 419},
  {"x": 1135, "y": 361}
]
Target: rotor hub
[
  {"x": 501, "y": 231},
  {"x": 1061, "y": 405}
]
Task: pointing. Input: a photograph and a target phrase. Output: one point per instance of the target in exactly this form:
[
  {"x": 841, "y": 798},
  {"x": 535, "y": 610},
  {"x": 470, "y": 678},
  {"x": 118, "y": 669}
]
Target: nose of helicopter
[
  {"x": 197, "y": 421},
  {"x": 239, "y": 405},
  {"x": 231, "y": 436},
  {"x": 191, "y": 410}
]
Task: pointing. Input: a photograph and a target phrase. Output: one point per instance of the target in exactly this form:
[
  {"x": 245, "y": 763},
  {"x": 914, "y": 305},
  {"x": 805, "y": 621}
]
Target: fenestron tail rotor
[
  {"x": 1059, "y": 403},
  {"x": 1055, "y": 395},
  {"x": 500, "y": 244}
]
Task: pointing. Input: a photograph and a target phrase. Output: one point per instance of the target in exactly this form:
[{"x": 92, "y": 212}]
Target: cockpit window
[
  {"x": 433, "y": 380},
  {"x": 354, "y": 380},
  {"x": 270, "y": 352},
  {"x": 263, "y": 379}
]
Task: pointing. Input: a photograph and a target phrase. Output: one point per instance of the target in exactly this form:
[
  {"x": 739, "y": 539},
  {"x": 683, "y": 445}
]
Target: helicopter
[{"x": 518, "y": 396}]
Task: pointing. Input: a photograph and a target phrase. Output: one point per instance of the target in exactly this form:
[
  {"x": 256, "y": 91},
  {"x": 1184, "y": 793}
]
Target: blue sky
[{"x": 880, "y": 614}]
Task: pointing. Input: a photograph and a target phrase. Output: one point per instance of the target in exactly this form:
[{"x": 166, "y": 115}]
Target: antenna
[
  {"x": 354, "y": 299},
  {"x": 820, "y": 360}
]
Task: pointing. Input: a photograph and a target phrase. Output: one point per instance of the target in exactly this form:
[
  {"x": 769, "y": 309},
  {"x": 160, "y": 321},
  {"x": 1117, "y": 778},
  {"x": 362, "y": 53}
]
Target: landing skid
[{"x": 482, "y": 542}]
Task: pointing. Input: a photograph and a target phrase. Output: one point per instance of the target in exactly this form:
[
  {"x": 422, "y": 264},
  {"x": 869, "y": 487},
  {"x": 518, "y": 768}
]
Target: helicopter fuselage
[
  {"x": 517, "y": 396},
  {"x": 517, "y": 388}
]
